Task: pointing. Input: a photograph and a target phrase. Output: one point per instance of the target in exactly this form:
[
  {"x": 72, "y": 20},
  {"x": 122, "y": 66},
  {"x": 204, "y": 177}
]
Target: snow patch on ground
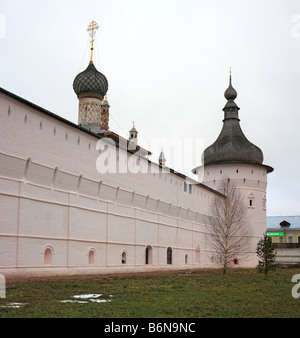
[
  {"x": 87, "y": 298},
  {"x": 14, "y": 305}
]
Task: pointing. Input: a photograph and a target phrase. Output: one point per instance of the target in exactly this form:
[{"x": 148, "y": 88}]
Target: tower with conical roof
[
  {"x": 162, "y": 158},
  {"x": 91, "y": 87},
  {"x": 233, "y": 158}
]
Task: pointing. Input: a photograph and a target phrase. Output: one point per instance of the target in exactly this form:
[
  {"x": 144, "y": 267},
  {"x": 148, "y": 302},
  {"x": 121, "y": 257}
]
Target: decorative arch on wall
[
  {"x": 264, "y": 202},
  {"x": 91, "y": 256},
  {"x": 48, "y": 253},
  {"x": 28, "y": 160},
  {"x": 198, "y": 253},
  {"x": 79, "y": 183},
  {"x": 54, "y": 177}
]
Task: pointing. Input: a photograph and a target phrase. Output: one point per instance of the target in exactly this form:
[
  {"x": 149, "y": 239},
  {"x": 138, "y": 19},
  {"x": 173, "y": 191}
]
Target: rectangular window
[
  {"x": 185, "y": 187},
  {"x": 281, "y": 239},
  {"x": 190, "y": 188},
  {"x": 291, "y": 239}
]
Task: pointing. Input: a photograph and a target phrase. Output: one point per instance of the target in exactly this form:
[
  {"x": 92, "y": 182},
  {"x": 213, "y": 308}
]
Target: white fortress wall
[{"x": 53, "y": 198}]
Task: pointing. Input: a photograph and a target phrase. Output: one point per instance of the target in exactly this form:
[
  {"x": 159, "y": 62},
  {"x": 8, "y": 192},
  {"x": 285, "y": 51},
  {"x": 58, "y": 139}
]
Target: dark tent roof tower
[{"x": 232, "y": 146}]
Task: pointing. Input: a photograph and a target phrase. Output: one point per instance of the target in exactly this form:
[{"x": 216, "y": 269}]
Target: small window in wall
[
  {"x": 298, "y": 239},
  {"x": 41, "y": 125},
  {"x": 9, "y": 111},
  {"x": 281, "y": 239},
  {"x": 251, "y": 198},
  {"x": 291, "y": 239},
  {"x": 148, "y": 255},
  {"x": 190, "y": 189},
  {"x": 169, "y": 256},
  {"x": 48, "y": 256},
  {"x": 25, "y": 119},
  {"x": 186, "y": 259},
  {"x": 54, "y": 131},
  {"x": 124, "y": 257},
  {"x": 236, "y": 261}
]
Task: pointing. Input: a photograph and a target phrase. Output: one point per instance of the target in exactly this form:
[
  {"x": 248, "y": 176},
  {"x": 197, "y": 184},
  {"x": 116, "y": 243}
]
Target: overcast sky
[{"x": 167, "y": 63}]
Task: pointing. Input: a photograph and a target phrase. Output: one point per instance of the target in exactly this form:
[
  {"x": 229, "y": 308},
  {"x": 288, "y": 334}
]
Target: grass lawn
[{"x": 180, "y": 294}]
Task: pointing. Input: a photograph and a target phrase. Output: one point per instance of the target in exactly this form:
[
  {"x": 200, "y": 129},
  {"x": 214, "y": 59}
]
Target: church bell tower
[{"x": 91, "y": 88}]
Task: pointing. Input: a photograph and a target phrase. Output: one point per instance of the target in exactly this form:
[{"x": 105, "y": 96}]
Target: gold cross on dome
[{"x": 93, "y": 26}]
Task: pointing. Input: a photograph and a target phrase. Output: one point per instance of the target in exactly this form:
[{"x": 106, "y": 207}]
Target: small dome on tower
[
  {"x": 133, "y": 129},
  {"x": 90, "y": 83},
  {"x": 230, "y": 93}
]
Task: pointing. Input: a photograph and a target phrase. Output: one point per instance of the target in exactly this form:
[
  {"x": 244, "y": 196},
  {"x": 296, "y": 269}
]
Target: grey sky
[{"x": 167, "y": 63}]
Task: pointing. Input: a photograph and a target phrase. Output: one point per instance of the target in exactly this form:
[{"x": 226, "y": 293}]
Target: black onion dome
[
  {"x": 232, "y": 145},
  {"x": 90, "y": 82},
  {"x": 230, "y": 93}
]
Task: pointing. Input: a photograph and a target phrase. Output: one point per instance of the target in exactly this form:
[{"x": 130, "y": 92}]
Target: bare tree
[{"x": 229, "y": 231}]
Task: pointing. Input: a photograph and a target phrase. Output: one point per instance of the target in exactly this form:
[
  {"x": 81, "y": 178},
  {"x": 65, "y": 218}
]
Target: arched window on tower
[{"x": 251, "y": 198}]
